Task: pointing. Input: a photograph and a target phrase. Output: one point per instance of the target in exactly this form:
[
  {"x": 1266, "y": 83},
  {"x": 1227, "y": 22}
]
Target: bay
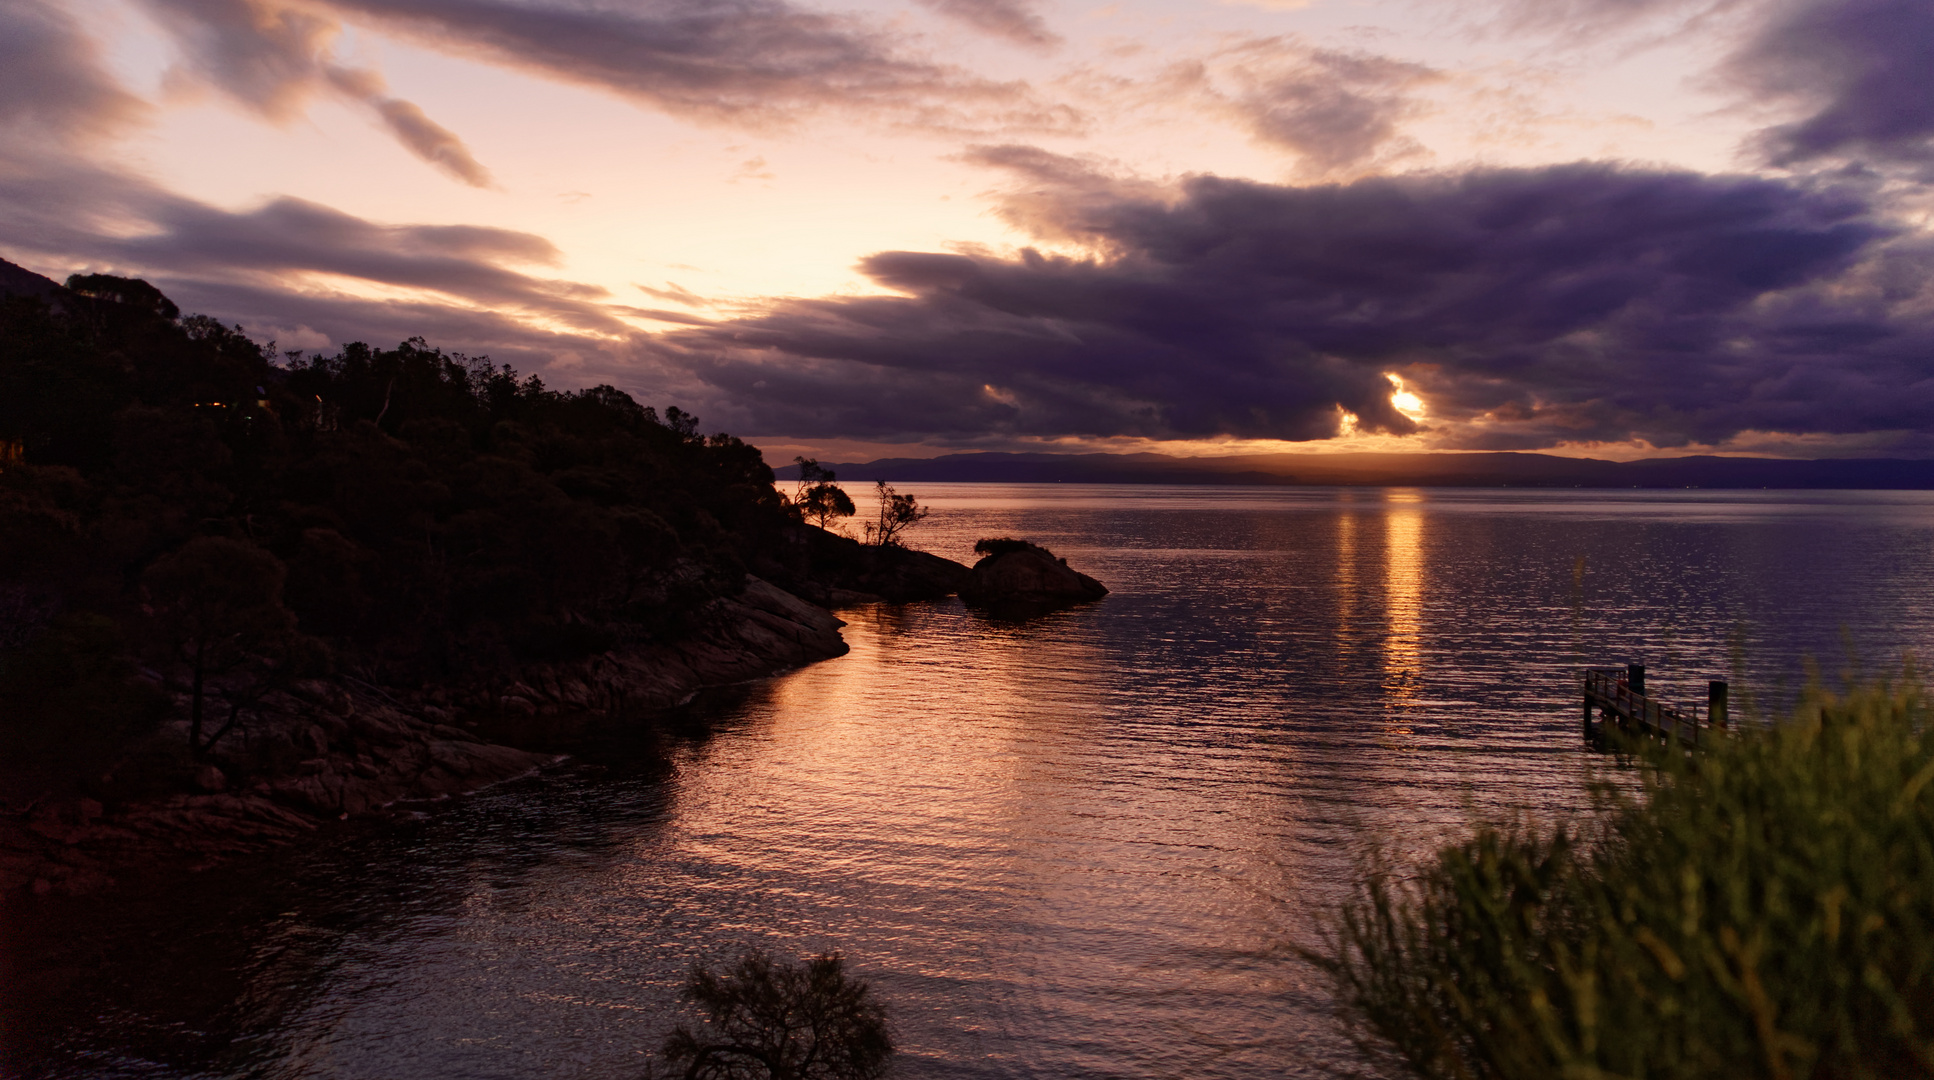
[{"x": 1082, "y": 845}]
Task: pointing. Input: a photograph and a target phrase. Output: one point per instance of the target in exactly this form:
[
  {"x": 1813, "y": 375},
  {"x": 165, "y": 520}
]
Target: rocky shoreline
[
  {"x": 324, "y": 751},
  {"x": 336, "y": 749}
]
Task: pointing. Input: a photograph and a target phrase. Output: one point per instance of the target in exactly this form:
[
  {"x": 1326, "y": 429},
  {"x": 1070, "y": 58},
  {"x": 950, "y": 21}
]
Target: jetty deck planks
[{"x": 1618, "y": 697}]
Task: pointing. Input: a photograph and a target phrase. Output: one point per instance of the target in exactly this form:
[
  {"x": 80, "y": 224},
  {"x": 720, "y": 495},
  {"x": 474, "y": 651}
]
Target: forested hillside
[{"x": 176, "y": 498}]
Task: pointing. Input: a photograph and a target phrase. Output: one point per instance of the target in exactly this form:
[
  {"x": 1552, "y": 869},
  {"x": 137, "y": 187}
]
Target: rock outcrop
[
  {"x": 1017, "y": 578},
  {"x": 837, "y": 571},
  {"x": 330, "y": 750},
  {"x": 763, "y": 630}
]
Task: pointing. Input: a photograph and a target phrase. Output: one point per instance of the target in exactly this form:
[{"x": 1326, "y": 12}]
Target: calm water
[{"x": 1079, "y": 846}]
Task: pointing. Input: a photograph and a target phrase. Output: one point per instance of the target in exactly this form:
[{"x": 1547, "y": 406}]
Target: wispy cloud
[
  {"x": 431, "y": 141},
  {"x": 744, "y": 62},
  {"x": 273, "y": 59},
  {"x": 1336, "y": 110},
  {"x": 1013, "y": 20},
  {"x": 89, "y": 216},
  {"x": 53, "y": 89}
]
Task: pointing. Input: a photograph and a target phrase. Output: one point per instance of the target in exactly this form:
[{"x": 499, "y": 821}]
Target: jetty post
[
  {"x": 1716, "y": 703},
  {"x": 1635, "y": 678}
]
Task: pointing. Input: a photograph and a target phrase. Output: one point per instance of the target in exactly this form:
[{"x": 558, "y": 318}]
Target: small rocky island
[{"x": 1016, "y": 578}]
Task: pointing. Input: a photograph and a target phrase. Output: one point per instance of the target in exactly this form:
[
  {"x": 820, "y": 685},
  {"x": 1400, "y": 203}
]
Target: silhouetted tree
[
  {"x": 823, "y": 502},
  {"x": 898, "y": 513},
  {"x": 766, "y": 1020},
  {"x": 810, "y": 473},
  {"x": 818, "y": 499}
]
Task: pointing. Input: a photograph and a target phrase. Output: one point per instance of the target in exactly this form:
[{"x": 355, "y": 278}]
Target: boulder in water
[{"x": 1016, "y": 576}]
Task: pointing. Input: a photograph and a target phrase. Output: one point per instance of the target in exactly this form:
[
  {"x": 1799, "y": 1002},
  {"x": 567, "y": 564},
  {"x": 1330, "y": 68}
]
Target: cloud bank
[{"x": 1574, "y": 303}]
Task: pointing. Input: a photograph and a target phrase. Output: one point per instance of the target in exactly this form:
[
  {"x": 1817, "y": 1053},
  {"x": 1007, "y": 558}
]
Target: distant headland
[{"x": 1400, "y": 470}]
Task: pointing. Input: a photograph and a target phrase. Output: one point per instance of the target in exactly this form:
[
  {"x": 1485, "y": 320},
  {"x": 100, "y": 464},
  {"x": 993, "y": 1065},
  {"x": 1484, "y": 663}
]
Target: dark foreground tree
[{"x": 783, "y": 1021}]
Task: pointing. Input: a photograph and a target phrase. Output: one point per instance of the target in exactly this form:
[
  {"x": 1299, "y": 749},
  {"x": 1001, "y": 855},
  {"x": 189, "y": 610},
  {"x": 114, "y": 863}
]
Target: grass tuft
[{"x": 1763, "y": 909}]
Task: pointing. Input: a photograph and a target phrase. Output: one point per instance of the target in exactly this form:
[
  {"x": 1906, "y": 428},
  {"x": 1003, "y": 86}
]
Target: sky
[{"x": 855, "y": 228}]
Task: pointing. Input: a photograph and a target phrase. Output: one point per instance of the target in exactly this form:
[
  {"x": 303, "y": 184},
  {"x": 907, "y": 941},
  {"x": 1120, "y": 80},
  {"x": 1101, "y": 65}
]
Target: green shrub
[{"x": 1764, "y": 909}]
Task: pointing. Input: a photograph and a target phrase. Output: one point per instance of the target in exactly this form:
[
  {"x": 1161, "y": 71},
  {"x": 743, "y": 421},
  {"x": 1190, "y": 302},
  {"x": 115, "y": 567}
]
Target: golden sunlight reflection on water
[
  {"x": 1403, "y": 605},
  {"x": 1080, "y": 845}
]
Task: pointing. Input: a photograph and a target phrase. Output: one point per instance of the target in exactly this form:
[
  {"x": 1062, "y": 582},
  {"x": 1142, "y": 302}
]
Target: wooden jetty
[{"x": 1618, "y": 696}]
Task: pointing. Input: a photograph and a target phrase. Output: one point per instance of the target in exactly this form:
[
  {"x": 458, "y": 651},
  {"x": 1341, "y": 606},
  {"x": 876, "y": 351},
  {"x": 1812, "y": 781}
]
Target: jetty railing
[{"x": 1619, "y": 698}]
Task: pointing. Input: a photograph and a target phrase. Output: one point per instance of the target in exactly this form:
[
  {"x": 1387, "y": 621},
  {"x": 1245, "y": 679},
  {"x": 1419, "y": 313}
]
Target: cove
[{"x": 1080, "y": 845}]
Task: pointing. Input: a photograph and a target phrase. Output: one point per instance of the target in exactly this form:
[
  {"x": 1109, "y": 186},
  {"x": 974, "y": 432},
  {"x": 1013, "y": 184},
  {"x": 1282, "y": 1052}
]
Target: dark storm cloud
[
  {"x": 1860, "y": 70},
  {"x": 273, "y": 59},
  {"x": 740, "y": 61},
  {"x": 1010, "y": 19},
  {"x": 1566, "y": 303}
]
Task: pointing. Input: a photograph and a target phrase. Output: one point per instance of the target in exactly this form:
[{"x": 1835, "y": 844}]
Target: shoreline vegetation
[
  {"x": 1763, "y": 908},
  {"x": 245, "y": 593}
]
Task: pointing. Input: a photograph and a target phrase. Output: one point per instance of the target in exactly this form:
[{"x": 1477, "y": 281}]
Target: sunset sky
[{"x": 1606, "y": 227}]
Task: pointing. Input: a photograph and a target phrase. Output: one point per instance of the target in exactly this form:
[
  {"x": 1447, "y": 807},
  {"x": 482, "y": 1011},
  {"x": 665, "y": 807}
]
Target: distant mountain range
[{"x": 1422, "y": 470}]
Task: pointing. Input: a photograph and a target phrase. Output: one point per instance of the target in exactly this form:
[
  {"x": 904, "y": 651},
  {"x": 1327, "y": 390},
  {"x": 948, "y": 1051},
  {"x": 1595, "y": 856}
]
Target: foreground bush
[
  {"x": 1763, "y": 910},
  {"x": 782, "y": 1021}
]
